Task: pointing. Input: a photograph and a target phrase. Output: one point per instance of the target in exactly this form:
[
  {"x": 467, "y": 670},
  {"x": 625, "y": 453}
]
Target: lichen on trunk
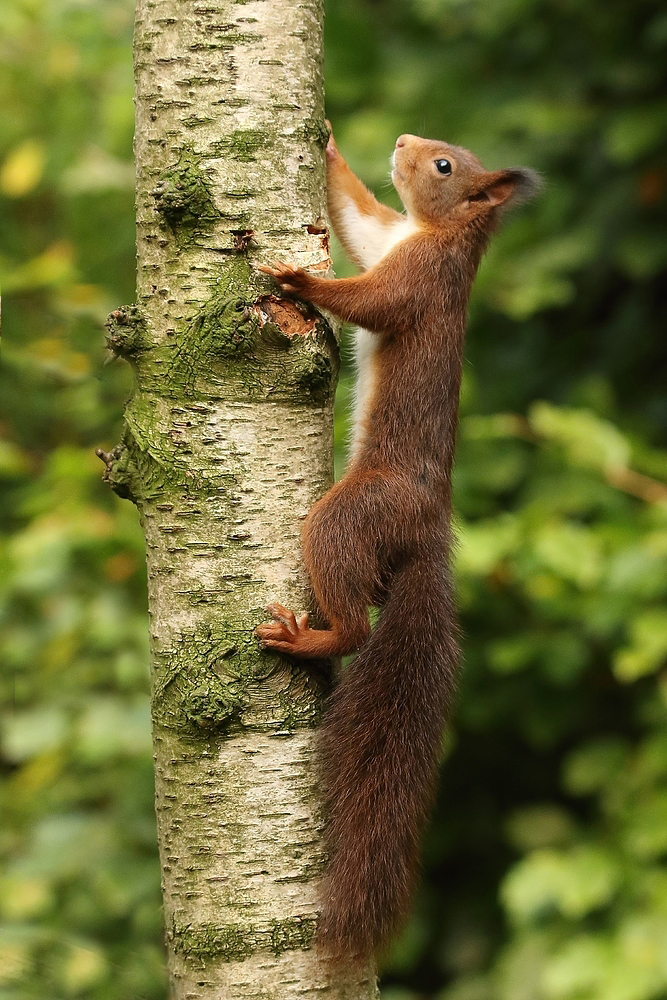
[{"x": 226, "y": 445}]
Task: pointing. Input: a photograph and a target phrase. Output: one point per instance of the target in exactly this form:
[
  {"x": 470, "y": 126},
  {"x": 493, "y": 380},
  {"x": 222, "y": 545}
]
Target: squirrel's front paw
[{"x": 293, "y": 280}]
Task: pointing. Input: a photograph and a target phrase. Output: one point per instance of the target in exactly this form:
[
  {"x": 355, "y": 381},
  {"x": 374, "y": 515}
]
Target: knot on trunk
[
  {"x": 126, "y": 331},
  {"x": 183, "y": 194},
  {"x": 118, "y": 471}
]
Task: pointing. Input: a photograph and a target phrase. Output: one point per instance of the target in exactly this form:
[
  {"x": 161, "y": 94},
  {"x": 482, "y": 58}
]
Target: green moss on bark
[
  {"x": 233, "y": 942},
  {"x": 316, "y": 129},
  {"x": 301, "y": 700},
  {"x": 205, "y": 686},
  {"x": 292, "y": 933},
  {"x": 243, "y": 144},
  {"x": 224, "y": 328},
  {"x": 143, "y": 464},
  {"x": 314, "y": 372},
  {"x": 214, "y": 677},
  {"x": 230, "y": 942},
  {"x": 120, "y": 469},
  {"x": 183, "y": 194}
]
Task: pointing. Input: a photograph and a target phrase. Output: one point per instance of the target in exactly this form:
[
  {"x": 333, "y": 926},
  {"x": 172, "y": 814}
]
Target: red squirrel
[{"x": 381, "y": 536}]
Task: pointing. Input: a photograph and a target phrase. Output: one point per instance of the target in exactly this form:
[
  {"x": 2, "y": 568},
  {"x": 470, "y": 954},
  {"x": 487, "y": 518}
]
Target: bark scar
[
  {"x": 284, "y": 314},
  {"x": 319, "y": 228}
]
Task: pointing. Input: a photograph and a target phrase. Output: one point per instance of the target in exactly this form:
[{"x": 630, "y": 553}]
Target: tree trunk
[{"x": 227, "y": 443}]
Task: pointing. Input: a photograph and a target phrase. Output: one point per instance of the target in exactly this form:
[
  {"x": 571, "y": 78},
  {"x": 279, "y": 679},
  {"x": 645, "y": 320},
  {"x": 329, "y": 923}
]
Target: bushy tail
[{"x": 381, "y": 743}]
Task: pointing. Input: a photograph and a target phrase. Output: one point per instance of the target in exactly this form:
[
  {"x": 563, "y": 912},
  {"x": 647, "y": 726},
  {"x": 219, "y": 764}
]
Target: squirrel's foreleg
[
  {"x": 371, "y": 300},
  {"x": 359, "y": 220}
]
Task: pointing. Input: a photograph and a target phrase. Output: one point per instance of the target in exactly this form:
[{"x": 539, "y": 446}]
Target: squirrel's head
[{"x": 437, "y": 181}]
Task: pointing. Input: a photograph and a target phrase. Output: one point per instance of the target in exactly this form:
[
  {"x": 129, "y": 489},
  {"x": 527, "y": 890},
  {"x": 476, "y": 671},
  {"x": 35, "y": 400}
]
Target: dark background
[{"x": 544, "y": 868}]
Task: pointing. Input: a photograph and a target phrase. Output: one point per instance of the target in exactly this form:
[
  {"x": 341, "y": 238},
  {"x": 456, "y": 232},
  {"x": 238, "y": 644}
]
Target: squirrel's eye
[{"x": 443, "y": 166}]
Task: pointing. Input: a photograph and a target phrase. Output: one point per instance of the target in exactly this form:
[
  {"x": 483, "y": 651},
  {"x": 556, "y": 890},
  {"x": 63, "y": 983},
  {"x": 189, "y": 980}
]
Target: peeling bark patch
[
  {"x": 242, "y": 239},
  {"x": 320, "y": 229},
  {"x": 313, "y": 358}
]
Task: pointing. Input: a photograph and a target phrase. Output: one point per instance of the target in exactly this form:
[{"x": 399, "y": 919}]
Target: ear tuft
[
  {"x": 528, "y": 183},
  {"x": 509, "y": 187}
]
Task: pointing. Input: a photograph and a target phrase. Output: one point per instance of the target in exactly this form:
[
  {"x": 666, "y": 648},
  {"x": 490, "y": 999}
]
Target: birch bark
[{"x": 226, "y": 445}]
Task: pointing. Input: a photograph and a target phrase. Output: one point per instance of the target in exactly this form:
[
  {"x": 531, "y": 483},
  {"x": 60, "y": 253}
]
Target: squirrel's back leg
[{"x": 345, "y": 558}]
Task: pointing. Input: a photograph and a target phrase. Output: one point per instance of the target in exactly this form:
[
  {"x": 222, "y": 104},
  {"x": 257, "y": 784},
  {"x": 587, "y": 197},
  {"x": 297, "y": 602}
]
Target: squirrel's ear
[{"x": 504, "y": 187}]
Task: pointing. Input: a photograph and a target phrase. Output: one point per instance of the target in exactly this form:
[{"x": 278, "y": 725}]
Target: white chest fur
[{"x": 372, "y": 240}]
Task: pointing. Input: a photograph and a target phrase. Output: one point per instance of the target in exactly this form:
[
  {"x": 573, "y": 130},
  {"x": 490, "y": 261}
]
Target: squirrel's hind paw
[{"x": 285, "y": 632}]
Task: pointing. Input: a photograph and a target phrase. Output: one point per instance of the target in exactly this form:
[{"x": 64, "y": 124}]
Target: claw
[
  {"x": 291, "y": 279},
  {"x": 272, "y": 269},
  {"x": 273, "y": 633},
  {"x": 283, "y": 615},
  {"x": 285, "y": 632}
]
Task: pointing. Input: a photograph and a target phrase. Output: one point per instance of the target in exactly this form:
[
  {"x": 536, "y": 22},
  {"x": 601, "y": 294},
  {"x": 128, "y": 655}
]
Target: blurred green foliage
[{"x": 544, "y": 868}]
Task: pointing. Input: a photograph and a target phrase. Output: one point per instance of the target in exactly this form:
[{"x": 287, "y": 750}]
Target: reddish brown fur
[{"x": 382, "y": 535}]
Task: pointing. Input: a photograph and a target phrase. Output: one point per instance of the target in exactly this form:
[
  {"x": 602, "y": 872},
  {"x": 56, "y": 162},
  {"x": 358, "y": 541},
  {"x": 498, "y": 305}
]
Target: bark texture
[{"x": 227, "y": 443}]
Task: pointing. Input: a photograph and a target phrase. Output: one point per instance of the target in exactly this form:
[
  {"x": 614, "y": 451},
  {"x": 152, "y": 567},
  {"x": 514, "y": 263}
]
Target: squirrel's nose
[{"x": 403, "y": 139}]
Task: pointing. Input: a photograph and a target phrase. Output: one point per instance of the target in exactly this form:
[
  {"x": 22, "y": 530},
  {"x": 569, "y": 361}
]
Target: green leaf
[
  {"x": 29, "y": 733},
  {"x": 648, "y": 646},
  {"x": 578, "y": 968},
  {"x": 645, "y": 833},
  {"x": 634, "y": 132},
  {"x": 588, "y": 440},
  {"x": 81, "y": 967},
  {"x": 572, "y": 883},
  {"x": 594, "y": 766},
  {"x": 506, "y": 656},
  {"x": 519, "y": 973},
  {"x": 484, "y": 544},
  {"x": 535, "y": 827},
  {"x": 572, "y": 551},
  {"x": 112, "y": 727}
]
